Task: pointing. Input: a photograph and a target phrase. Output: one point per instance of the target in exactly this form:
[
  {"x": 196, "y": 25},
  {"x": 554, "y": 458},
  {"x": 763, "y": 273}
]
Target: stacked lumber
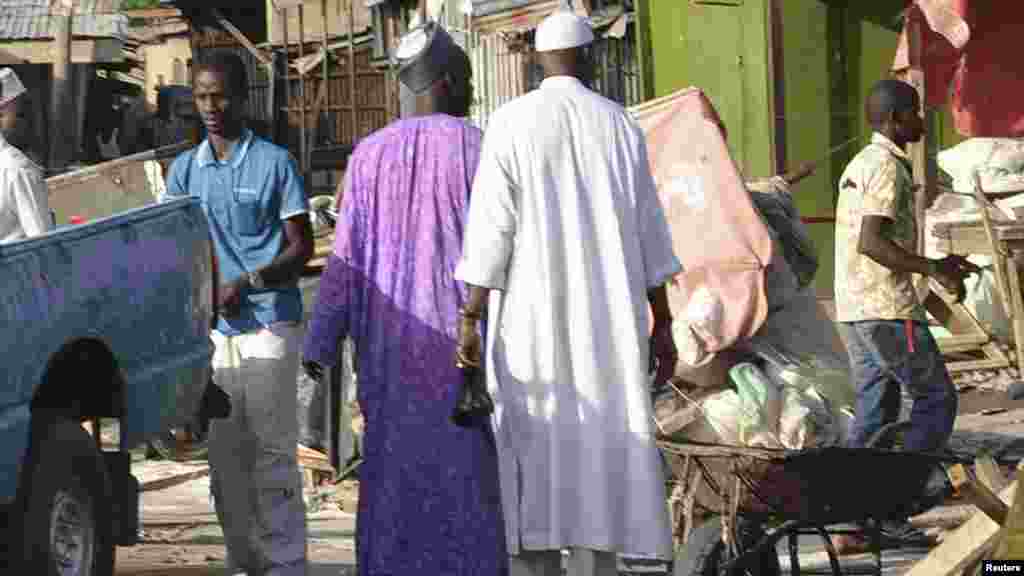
[
  {"x": 985, "y": 534},
  {"x": 313, "y": 459}
]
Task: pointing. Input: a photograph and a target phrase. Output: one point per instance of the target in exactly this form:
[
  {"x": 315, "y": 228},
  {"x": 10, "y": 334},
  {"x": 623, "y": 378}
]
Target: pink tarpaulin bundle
[{"x": 717, "y": 233}]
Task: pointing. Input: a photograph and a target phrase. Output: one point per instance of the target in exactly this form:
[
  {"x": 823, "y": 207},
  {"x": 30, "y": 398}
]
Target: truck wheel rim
[{"x": 72, "y": 535}]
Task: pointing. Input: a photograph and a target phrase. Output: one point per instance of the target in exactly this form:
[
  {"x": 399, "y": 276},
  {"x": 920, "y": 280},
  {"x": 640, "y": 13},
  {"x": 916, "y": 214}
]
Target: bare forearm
[
  {"x": 894, "y": 257},
  {"x": 287, "y": 267},
  {"x": 658, "y": 299}
]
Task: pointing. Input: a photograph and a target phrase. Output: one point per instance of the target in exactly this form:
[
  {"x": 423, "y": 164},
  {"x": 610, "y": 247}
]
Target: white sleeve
[
  {"x": 660, "y": 262},
  {"x": 29, "y": 194},
  {"x": 491, "y": 225}
]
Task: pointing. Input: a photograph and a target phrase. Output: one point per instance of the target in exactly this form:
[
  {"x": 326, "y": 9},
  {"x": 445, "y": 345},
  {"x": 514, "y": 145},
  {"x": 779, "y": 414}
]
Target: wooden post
[
  {"x": 287, "y": 77},
  {"x": 352, "y": 67},
  {"x": 303, "y": 145},
  {"x": 324, "y": 69},
  {"x": 919, "y": 151},
  {"x": 60, "y": 88}
]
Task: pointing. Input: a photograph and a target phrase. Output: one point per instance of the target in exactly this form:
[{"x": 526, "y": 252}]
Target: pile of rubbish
[
  {"x": 786, "y": 387},
  {"x": 999, "y": 165}
]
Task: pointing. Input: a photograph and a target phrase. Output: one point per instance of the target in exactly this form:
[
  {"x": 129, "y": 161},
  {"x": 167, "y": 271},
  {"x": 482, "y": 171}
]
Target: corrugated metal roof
[
  {"x": 30, "y": 19},
  {"x": 488, "y": 7}
]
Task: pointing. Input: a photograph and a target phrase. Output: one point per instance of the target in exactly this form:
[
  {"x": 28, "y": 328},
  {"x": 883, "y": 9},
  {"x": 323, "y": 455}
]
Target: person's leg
[
  {"x": 536, "y": 563},
  {"x": 878, "y": 394},
  {"x": 587, "y": 562},
  {"x": 918, "y": 369},
  {"x": 278, "y": 524},
  {"x": 935, "y": 396},
  {"x": 229, "y": 466}
]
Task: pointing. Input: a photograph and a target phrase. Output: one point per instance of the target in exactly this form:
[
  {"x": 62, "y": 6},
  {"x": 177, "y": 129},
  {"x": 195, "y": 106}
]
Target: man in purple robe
[{"x": 429, "y": 500}]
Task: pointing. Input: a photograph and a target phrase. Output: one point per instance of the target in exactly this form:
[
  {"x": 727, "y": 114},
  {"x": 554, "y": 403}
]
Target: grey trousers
[{"x": 254, "y": 473}]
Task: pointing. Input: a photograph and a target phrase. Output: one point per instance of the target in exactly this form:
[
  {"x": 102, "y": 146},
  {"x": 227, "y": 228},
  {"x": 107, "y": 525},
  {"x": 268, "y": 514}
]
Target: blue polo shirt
[{"x": 246, "y": 198}]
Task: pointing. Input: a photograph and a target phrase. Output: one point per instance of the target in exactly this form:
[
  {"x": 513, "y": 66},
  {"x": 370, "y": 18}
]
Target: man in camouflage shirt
[{"x": 877, "y": 310}]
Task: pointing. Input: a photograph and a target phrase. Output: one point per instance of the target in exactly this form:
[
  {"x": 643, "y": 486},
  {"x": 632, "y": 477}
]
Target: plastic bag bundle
[
  {"x": 760, "y": 403},
  {"x": 999, "y": 163}
]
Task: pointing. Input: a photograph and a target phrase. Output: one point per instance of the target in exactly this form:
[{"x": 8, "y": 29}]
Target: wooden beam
[
  {"x": 1011, "y": 540},
  {"x": 977, "y": 494},
  {"x": 153, "y": 13},
  {"x": 61, "y": 86},
  {"x": 352, "y": 69},
  {"x": 988, "y": 472},
  {"x": 237, "y": 35},
  {"x": 918, "y": 151},
  {"x": 966, "y": 545}
]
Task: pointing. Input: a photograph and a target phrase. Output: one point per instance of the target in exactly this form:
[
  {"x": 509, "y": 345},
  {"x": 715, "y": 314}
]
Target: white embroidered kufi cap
[
  {"x": 563, "y": 30},
  {"x": 10, "y": 86}
]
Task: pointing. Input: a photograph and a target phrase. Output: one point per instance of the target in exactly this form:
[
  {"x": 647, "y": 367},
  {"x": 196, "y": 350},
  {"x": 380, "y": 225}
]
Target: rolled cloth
[
  {"x": 563, "y": 30},
  {"x": 10, "y": 86},
  {"x": 424, "y": 55}
]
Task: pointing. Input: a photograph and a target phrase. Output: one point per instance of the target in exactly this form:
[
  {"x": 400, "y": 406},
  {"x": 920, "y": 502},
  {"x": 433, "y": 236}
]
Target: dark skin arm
[
  {"x": 799, "y": 173},
  {"x": 469, "y": 347},
  {"x": 875, "y": 243},
  {"x": 286, "y": 268},
  {"x": 664, "y": 355}
]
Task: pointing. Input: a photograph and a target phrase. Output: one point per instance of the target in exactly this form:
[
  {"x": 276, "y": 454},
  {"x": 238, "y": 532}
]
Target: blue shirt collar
[{"x": 205, "y": 157}]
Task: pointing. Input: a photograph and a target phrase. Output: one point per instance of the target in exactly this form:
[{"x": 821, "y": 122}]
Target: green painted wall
[
  {"x": 722, "y": 50},
  {"x": 809, "y": 117},
  {"x": 831, "y": 52}
]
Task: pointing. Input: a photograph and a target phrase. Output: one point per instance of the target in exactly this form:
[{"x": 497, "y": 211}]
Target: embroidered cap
[
  {"x": 10, "y": 86},
  {"x": 424, "y": 55},
  {"x": 563, "y": 30}
]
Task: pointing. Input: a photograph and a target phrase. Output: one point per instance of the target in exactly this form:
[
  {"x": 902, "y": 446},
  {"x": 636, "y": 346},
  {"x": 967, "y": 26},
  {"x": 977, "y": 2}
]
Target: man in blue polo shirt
[{"x": 253, "y": 197}]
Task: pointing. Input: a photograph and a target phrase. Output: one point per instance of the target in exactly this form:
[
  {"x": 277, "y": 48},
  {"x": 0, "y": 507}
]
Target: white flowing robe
[{"x": 566, "y": 227}]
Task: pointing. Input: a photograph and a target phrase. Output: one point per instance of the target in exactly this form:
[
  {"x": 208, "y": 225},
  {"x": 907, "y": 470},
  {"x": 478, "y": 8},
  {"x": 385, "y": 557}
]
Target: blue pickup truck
[{"x": 108, "y": 319}]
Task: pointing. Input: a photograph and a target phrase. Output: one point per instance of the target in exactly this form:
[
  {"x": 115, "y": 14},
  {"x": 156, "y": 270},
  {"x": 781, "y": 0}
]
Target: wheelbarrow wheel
[{"x": 705, "y": 552}]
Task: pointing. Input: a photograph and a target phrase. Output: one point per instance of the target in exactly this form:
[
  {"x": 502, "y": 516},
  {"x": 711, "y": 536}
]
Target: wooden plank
[
  {"x": 240, "y": 37},
  {"x": 976, "y": 493},
  {"x": 1011, "y": 539},
  {"x": 175, "y": 480},
  {"x": 964, "y": 546},
  {"x": 988, "y": 472},
  {"x": 975, "y": 365}
]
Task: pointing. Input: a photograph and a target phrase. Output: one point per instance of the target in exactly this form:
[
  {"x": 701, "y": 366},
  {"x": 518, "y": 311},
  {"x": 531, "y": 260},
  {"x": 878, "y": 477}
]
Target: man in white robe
[
  {"x": 566, "y": 248},
  {"x": 24, "y": 204}
]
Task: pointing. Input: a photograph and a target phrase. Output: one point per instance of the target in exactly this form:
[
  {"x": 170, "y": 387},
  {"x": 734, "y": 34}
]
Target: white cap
[
  {"x": 563, "y": 30},
  {"x": 10, "y": 86}
]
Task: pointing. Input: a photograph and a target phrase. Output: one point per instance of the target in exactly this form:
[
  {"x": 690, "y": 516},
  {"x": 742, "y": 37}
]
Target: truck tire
[
  {"x": 67, "y": 519},
  {"x": 705, "y": 549}
]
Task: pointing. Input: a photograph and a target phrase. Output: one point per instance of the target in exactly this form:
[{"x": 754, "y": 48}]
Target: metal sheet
[{"x": 30, "y": 20}]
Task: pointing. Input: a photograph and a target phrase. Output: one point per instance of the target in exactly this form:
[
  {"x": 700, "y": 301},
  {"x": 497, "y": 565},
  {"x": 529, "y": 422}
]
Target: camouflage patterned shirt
[{"x": 877, "y": 182}]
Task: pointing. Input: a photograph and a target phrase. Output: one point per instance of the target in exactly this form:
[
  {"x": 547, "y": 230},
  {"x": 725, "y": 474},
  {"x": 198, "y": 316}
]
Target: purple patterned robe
[{"x": 429, "y": 500}]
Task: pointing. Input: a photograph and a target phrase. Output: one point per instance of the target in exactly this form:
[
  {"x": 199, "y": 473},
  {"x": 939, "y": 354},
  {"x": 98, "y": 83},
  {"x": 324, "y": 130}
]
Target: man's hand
[
  {"x": 663, "y": 355},
  {"x": 950, "y": 273},
  {"x": 313, "y": 370},
  {"x": 468, "y": 350},
  {"x": 229, "y": 297},
  {"x": 802, "y": 171}
]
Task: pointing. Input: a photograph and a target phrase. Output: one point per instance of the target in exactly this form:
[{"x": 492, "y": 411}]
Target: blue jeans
[{"x": 881, "y": 362}]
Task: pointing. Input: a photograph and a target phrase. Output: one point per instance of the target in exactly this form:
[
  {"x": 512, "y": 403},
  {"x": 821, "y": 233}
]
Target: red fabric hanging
[
  {"x": 982, "y": 80},
  {"x": 988, "y": 82}
]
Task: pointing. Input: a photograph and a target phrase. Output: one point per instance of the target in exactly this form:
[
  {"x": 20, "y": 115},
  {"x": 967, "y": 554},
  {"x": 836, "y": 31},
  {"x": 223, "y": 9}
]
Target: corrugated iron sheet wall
[{"x": 502, "y": 74}]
